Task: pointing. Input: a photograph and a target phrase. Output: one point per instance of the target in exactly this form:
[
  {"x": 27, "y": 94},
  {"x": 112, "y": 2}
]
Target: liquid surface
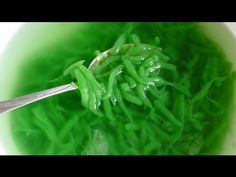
[{"x": 170, "y": 101}]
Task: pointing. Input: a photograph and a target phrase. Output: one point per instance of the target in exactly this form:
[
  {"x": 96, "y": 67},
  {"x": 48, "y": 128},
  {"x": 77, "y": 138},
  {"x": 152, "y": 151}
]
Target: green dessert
[{"x": 164, "y": 89}]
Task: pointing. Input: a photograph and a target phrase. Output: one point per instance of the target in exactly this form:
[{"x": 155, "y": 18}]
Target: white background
[{"x": 7, "y": 30}]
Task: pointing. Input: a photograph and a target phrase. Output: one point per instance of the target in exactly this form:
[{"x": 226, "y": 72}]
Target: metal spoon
[{"x": 9, "y": 105}]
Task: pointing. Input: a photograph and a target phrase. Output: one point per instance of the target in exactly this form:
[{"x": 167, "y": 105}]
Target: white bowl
[{"x": 47, "y": 34}]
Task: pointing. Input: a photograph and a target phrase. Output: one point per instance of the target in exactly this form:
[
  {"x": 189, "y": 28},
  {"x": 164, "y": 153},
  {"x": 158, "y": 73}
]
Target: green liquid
[{"x": 62, "y": 125}]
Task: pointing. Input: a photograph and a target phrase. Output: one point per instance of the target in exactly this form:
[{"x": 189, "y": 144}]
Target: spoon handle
[{"x": 6, "y": 106}]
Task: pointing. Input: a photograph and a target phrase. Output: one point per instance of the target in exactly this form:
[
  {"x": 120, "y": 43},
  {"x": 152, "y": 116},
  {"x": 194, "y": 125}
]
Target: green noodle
[{"x": 163, "y": 94}]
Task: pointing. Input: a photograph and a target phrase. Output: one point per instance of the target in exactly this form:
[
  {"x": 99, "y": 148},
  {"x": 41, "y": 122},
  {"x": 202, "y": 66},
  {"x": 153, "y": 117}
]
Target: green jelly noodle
[{"x": 164, "y": 89}]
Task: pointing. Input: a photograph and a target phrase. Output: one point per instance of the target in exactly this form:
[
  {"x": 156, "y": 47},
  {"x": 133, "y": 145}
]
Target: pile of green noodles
[{"x": 161, "y": 90}]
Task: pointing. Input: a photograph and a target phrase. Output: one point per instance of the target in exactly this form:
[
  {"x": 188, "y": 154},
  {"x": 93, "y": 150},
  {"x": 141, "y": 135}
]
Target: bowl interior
[{"x": 35, "y": 37}]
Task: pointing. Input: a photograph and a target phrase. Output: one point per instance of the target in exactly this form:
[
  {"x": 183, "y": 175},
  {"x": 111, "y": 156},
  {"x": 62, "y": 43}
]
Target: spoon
[{"x": 9, "y": 105}]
